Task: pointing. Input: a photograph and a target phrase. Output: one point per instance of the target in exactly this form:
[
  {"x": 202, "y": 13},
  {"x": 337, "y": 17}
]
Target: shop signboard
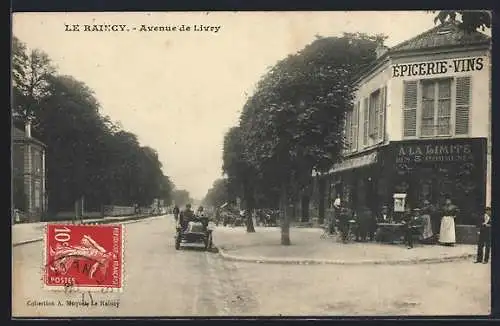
[
  {"x": 434, "y": 169},
  {"x": 355, "y": 162},
  {"x": 469, "y": 150}
]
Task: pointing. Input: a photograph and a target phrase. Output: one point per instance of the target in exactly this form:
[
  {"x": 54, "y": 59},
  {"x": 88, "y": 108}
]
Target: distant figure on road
[{"x": 176, "y": 212}]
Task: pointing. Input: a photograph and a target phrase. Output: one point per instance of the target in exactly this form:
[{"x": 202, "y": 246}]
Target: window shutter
[
  {"x": 374, "y": 115},
  {"x": 355, "y": 123},
  {"x": 365, "y": 121},
  {"x": 348, "y": 131},
  {"x": 410, "y": 109},
  {"x": 381, "y": 118},
  {"x": 462, "y": 110}
]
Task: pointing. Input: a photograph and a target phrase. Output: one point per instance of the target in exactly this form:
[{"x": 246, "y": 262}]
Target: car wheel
[{"x": 178, "y": 242}]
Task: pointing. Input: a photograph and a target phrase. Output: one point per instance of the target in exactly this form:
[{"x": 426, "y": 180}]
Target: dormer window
[{"x": 444, "y": 31}]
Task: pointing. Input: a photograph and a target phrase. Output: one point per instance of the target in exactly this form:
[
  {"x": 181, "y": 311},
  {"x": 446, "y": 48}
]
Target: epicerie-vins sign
[{"x": 438, "y": 67}]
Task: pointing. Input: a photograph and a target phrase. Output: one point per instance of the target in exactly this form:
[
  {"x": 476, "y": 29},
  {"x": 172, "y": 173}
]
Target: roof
[
  {"x": 448, "y": 34},
  {"x": 18, "y": 135},
  {"x": 444, "y": 35}
]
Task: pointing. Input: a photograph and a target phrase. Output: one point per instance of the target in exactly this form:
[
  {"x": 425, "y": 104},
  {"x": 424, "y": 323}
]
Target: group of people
[
  {"x": 413, "y": 222},
  {"x": 184, "y": 217}
]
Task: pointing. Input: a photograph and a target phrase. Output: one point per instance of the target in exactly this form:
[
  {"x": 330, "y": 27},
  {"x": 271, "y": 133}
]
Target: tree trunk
[
  {"x": 305, "y": 208},
  {"x": 321, "y": 195},
  {"x": 250, "y": 226},
  {"x": 249, "y": 207},
  {"x": 285, "y": 222}
]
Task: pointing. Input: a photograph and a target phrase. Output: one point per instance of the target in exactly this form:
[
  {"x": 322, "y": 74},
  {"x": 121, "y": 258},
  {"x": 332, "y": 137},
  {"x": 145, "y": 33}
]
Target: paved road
[{"x": 161, "y": 281}]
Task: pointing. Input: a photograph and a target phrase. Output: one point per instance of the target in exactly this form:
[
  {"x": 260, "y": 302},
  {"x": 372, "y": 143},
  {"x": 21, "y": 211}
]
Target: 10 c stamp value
[{"x": 84, "y": 257}]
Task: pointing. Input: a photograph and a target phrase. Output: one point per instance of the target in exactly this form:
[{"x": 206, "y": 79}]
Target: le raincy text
[{"x": 140, "y": 28}]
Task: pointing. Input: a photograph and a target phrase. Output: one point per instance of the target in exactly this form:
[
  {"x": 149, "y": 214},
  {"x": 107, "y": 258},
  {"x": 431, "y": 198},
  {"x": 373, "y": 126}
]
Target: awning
[{"x": 355, "y": 162}]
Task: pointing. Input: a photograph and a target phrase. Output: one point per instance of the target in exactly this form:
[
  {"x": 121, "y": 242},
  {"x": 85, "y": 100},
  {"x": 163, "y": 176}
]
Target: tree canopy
[
  {"x": 470, "y": 20},
  {"x": 181, "y": 197},
  {"x": 87, "y": 153},
  {"x": 293, "y": 121},
  {"x": 218, "y": 194}
]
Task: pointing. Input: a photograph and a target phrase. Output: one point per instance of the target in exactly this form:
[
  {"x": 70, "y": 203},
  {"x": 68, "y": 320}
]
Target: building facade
[
  {"x": 28, "y": 173},
  {"x": 421, "y": 125}
]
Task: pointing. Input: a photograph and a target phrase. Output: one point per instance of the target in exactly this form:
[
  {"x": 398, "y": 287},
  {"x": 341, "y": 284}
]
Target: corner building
[{"x": 421, "y": 125}]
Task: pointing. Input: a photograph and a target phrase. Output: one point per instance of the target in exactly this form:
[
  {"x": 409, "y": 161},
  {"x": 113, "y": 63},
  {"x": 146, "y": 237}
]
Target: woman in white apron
[{"x": 447, "y": 229}]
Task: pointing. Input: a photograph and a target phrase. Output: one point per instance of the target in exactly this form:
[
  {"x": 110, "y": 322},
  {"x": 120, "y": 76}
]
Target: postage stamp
[{"x": 85, "y": 257}]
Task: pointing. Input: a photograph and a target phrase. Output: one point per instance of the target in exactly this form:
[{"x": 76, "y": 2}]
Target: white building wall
[
  {"x": 480, "y": 111},
  {"x": 376, "y": 80},
  {"x": 480, "y": 108}
]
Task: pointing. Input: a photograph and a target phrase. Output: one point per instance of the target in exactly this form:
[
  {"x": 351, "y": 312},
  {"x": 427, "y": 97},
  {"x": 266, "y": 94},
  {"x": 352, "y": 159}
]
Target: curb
[
  {"x": 307, "y": 261},
  {"x": 88, "y": 223}
]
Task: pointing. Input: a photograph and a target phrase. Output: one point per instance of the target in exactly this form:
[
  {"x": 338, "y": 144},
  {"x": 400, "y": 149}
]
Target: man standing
[
  {"x": 336, "y": 215},
  {"x": 484, "y": 241},
  {"x": 408, "y": 221},
  {"x": 176, "y": 213}
]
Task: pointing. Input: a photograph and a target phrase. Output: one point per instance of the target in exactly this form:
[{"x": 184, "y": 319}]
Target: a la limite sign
[
  {"x": 441, "y": 67},
  {"x": 421, "y": 153}
]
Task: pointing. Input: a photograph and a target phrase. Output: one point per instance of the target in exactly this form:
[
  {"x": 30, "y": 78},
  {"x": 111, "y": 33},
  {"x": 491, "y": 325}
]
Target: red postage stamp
[{"x": 88, "y": 257}]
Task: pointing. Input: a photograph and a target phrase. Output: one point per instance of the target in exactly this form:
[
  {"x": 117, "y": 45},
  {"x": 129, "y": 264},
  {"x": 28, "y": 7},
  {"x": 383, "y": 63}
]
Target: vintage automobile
[{"x": 197, "y": 231}]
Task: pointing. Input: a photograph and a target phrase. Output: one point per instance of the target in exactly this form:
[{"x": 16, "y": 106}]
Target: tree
[
  {"x": 470, "y": 21},
  {"x": 239, "y": 172},
  {"x": 30, "y": 78},
  {"x": 218, "y": 194},
  {"x": 181, "y": 197},
  {"x": 293, "y": 122},
  {"x": 87, "y": 154}
]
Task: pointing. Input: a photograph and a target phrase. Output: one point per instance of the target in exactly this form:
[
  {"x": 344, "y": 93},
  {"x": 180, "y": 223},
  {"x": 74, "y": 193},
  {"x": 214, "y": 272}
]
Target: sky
[{"x": 180, "y": 91}]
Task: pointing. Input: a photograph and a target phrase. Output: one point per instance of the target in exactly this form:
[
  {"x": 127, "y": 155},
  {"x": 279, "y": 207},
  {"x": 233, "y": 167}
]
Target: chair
[{"x": 326, "y": 232}]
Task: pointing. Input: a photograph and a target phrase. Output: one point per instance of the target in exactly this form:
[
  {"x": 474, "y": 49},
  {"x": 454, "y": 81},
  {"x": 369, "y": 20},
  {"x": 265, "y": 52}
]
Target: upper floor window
[
  {"x": 373, "y": 114},
  {"x": 374, "y": 107},
  {"x": 351, "y": 130},
  {"x": 436, "y": 107},
  {"x": 365, "y": 123}
]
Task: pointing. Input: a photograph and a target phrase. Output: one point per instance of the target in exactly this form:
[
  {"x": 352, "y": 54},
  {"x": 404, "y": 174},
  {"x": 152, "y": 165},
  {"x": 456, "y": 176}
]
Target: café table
[{"x": 390, "y": 232}]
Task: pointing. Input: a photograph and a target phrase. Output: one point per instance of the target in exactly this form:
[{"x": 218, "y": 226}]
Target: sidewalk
[
  {"x": 308, "y": 248},
  {"x": 24, "y": 233}
]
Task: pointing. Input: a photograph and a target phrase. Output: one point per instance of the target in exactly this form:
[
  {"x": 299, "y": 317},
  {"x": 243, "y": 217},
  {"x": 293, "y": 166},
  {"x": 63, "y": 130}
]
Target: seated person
[
  {"x": 364, "y": 223},
  {"x": 345, "y": 216},
  {"x": 186, "y": 216},
  {"x": 202, "y": 216},
  {"x": 384, "y": 216}
]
